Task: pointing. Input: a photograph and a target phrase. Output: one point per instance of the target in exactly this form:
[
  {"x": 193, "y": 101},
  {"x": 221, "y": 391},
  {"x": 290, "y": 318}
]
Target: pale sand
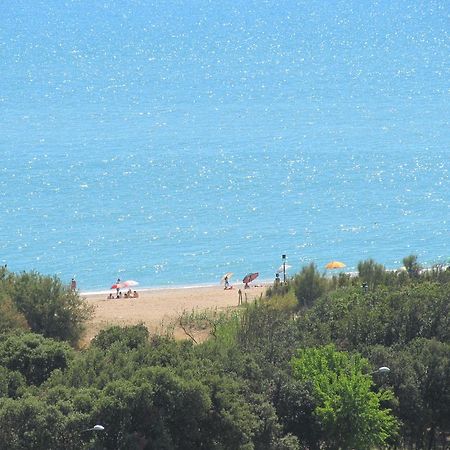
[{"x": 158, "y": 309}]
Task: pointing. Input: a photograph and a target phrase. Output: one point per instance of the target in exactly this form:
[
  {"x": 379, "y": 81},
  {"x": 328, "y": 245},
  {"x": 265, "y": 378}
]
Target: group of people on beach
[{"x": 128, "y": 294}]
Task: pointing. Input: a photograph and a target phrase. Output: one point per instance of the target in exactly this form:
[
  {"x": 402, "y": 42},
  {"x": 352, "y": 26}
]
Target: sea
[{"x": 170, "y": 142}]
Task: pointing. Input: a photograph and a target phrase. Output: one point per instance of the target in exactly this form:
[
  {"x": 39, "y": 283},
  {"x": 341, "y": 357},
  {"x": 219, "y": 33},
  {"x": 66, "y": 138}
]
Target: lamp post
[
  {"x": 92, "y": 432},
  {"x": 382, "y": 369},
  {"x": 95, "y": 428},
  {"x": 283, "y": 257}
]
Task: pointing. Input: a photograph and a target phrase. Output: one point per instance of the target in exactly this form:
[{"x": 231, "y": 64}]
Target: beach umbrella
[
  {"x": 129, "y": 283},
  {"x": 283, "y": 267},
  {"x": 117, "y": 286},
  {"x": 334, "y": 265},
  {"x": 250, "y": 277},
  {"x": 227, "y": 275}
]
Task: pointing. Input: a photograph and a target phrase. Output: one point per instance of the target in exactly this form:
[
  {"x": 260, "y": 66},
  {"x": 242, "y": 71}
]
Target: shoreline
[
  {"x": 260, "y": 283},
  {"x": 90, "y": 293},
  {"x": 265, "y": 282}
]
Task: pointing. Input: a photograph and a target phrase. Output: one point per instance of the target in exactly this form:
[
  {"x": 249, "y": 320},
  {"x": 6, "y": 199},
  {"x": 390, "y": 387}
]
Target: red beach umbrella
[
  {"x": 250, "y": 277},
  {"x": 117, "y": 286}
]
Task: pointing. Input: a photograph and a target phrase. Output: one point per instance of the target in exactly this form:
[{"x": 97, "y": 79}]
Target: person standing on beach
[
  {"x": 277, "y": 279},
  {"x": 227, "y": 283},
  {"x": 118, "y": 288},
  {"x": 239, "y": 297},
  {"x": 73, "y": 285}
]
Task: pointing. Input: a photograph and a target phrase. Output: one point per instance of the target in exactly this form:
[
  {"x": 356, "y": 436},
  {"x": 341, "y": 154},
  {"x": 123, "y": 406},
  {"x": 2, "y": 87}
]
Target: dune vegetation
[{"x": 297, "y": 369}]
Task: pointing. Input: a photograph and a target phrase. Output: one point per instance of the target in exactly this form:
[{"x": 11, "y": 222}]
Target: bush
[
  {"x": 49, "y": 307},
  {"x": 132, "y": 336},
  {"x": 371, "y": 273},
  {"x": 309, "y": 285}
]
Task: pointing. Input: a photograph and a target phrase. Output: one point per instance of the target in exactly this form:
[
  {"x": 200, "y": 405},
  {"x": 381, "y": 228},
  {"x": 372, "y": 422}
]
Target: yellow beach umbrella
[{"x": 334, "y": 265}]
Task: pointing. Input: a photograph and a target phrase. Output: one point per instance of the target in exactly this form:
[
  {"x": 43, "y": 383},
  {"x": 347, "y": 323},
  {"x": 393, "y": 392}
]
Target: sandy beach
[{"x": 159, "y": 308}]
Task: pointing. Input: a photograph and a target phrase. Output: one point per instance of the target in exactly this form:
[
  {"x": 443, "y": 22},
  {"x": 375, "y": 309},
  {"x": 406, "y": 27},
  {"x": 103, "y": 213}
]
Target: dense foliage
[
  {"x": 42, "y": 304},
  {"x": 295, "y": 370}
]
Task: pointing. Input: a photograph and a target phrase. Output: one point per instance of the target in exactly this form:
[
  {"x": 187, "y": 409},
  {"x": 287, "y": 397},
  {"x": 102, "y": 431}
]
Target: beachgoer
[
  {"x": 73, "y": 285},
  {"x": 135, "y": 294},
  {"x": 246, "y": 286},
  {"x": 239, "y": 297},
  {"x": 110, "y": 296},
  {"x": 118, "y": 288},
  {"x": 227, "y": 284},
  {"x": 277, "y": 279}
]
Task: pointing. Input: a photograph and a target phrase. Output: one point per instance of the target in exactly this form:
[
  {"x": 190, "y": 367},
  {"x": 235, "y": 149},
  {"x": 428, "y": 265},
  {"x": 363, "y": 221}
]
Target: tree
[
  {"x": 309, "y": 285},
  {"x": 295, "y": 404},
  {"x": 10, "y": 317},
  {"x": 267, "y": 332},
  {"x": 34, "y": 356},
  {"x": 371, "y": 273},
  {"x": 49, "y": 307},
  {"x": 155, "y": 407},
  {"x": 349, "y": 411},
  {"x": 11, "y": 382},
  {"x": 420, "y": 377},
  {"x": 132, "y": 336},
  {"x": 411, "y": 265},
  {"x": 29, "y": 424}
]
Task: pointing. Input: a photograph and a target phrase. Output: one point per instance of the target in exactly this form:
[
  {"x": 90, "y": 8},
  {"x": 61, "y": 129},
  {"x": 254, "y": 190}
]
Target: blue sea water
[{"x": 171, "y": 142}]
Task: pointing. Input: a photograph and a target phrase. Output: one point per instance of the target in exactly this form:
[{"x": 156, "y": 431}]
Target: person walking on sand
[
  {"x": 239, "y": 297},
  {"x": 73, "y": 285},
  {"x": 227, "y": 283}
]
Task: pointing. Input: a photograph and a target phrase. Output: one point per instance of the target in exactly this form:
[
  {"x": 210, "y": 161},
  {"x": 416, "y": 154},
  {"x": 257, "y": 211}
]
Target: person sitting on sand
[
  {"x": 110, "y": 296},
  {"x": 135, "y": 294}
]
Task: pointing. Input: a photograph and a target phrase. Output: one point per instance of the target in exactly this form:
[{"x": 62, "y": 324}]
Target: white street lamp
[
  {"x": 96, "y": 428},
  {"x": 382, "y": 369}
]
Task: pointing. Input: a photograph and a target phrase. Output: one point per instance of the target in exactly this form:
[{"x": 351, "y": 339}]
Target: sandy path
[{"x": 159, "y": 308}]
